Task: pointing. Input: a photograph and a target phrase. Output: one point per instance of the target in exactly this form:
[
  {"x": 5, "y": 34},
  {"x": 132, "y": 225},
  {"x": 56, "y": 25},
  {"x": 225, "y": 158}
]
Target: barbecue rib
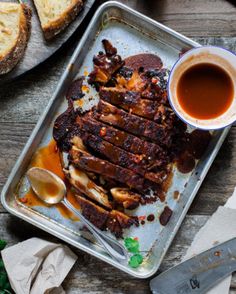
[
  {"x": 132, "y": 123},
  {"x": 132, "y": 101},
  {"x": 137, "y": 163},
  {"x": 90, "y": 163},
  {"x": 119, "y": 138}
]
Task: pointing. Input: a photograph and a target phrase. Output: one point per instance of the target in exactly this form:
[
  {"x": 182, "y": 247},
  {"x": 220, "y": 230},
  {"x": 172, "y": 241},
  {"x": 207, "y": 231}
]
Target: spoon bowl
[{"x": 46, "y": 185}]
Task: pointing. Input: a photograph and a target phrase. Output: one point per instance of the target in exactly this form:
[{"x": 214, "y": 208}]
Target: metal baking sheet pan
[{"x": 130, "y": 32}]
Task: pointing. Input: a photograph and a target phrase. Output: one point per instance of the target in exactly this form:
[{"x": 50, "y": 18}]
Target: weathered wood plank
[{"x": 192, "y": 18}]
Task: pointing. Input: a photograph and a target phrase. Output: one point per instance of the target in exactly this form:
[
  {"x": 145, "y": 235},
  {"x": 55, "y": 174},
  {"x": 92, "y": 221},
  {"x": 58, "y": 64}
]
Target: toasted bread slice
[
  {"x": 14, "y": 34},
  {"x": 56, "y": 15}
]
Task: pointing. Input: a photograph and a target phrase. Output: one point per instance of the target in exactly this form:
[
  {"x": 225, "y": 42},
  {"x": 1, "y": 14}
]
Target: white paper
[
  {"x": 36, "y": 266},
  {"x": 219, "y": 228}
]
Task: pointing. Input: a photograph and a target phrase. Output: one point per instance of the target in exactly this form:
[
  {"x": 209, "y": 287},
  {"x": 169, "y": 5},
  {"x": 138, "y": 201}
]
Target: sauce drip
[
  {"x": 205, "y": 91},
  {"x": 48, "y": 157},
  {"x": 150, "y": 217}
]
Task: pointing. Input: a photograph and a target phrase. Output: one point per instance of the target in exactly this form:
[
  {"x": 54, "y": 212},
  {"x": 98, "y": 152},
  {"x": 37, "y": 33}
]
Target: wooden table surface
[{"x": 22, "y": 102}]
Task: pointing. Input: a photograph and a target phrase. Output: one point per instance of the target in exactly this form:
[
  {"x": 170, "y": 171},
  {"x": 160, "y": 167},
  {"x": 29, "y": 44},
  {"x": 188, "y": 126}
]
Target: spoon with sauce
[{"x": 52, "y": 190}]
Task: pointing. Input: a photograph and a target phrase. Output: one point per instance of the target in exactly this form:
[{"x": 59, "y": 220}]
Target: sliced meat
[
  {"x": 94, "y": 213},
  {"x": 80, "y": 181},
  {"x": 119, "y": 138},
  {"x": 132, "y": 123},
  {"x": 118, "y": 221},
  {"x": 137, "y": 163},
  {"x": 124, "y": 196},
  {"x": 131, "y": 101},
  {"x": 115, "y": 220},
  {"x": 90, "y": 163},
  {"x": 105, "y": 65}
]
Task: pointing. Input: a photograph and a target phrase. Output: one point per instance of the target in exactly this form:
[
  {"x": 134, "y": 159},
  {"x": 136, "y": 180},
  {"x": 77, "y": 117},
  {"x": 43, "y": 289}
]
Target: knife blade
[{"x": 199, "y": 273}]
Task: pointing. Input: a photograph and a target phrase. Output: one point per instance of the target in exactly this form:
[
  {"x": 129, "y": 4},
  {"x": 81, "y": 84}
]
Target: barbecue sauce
[
  {"x": 48, "y": 157},
  {"x": 205, "y": 91}
]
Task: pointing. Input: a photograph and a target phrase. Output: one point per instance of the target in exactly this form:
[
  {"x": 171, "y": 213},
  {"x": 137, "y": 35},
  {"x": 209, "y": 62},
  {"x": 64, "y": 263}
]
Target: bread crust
[
  {"x": 10, "y": 60},
  {"x": 58, "y": 25}
]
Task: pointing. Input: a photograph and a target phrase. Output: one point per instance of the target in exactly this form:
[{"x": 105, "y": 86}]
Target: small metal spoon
[{"x": 52, "y": 190}]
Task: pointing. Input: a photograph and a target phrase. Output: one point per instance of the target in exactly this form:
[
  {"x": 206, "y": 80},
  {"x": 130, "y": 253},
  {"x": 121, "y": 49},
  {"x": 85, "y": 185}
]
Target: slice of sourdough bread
[
  {"x": 55, "y": 15},
  {"x": 15, "y": 23}
]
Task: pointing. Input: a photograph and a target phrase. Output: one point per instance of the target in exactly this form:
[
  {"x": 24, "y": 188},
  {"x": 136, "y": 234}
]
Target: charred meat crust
[
  {"x": 156, "y": 85},
  {"x": 137, "y": 163},
  {"x": 65, "y": 127},
  {"x": 105, "y": 64},
  {"x": 119, "y": 138},
  {"x": 130, "y": 100},
  {"x": 75, "y": 90},
  {"x": 115, "y": 220},
  {"x": 90, "y": 163},
  {"x": 94, "y": 213},
  {"x": 64, "y": 130},
  {"x": 131, "y": 123}
]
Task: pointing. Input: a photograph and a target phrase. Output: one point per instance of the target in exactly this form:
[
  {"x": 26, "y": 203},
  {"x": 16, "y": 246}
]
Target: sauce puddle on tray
[{"x": 48, "y": 157}]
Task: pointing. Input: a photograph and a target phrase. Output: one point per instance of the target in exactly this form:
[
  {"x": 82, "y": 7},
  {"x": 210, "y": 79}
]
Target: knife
[{"x": 198, "y": 274}]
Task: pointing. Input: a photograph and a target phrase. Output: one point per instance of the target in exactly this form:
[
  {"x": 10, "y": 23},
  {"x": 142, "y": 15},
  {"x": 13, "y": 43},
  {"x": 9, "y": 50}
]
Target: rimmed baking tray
[{"x": 130, "y": 32}]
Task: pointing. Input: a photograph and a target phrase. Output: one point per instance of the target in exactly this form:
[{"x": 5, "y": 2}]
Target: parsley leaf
[
  {"x": 132, "y": 245},
  {"x": 2, "y": 244},
  {"x": 135, "y": 260}
]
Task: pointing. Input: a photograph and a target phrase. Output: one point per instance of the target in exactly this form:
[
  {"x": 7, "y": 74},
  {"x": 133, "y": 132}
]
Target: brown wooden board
[{"x": 38, "y": 49}]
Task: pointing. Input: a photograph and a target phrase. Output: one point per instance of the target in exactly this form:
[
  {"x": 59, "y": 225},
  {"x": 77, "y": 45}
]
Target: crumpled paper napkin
[
  {"x": 219, "y": 228},
  {"x": 36, "y": 266}
]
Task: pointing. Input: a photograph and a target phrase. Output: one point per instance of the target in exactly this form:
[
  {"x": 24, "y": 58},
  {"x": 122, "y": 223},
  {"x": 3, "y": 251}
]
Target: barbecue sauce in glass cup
[{"x": 202, "y": 88}]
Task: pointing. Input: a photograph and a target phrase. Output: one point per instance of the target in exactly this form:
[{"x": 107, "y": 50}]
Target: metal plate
[{"x": 131, "y": 32}]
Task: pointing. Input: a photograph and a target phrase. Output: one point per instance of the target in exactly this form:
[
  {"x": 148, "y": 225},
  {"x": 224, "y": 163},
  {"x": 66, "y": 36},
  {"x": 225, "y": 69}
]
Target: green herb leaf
[
  {"x": 2, "y": 268},
  {"x": 132, "y": 245},
  {"x": 2, "y": 244},
  {"x": 3, "y": 280},
  {"x": 135, "y": 260}
]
